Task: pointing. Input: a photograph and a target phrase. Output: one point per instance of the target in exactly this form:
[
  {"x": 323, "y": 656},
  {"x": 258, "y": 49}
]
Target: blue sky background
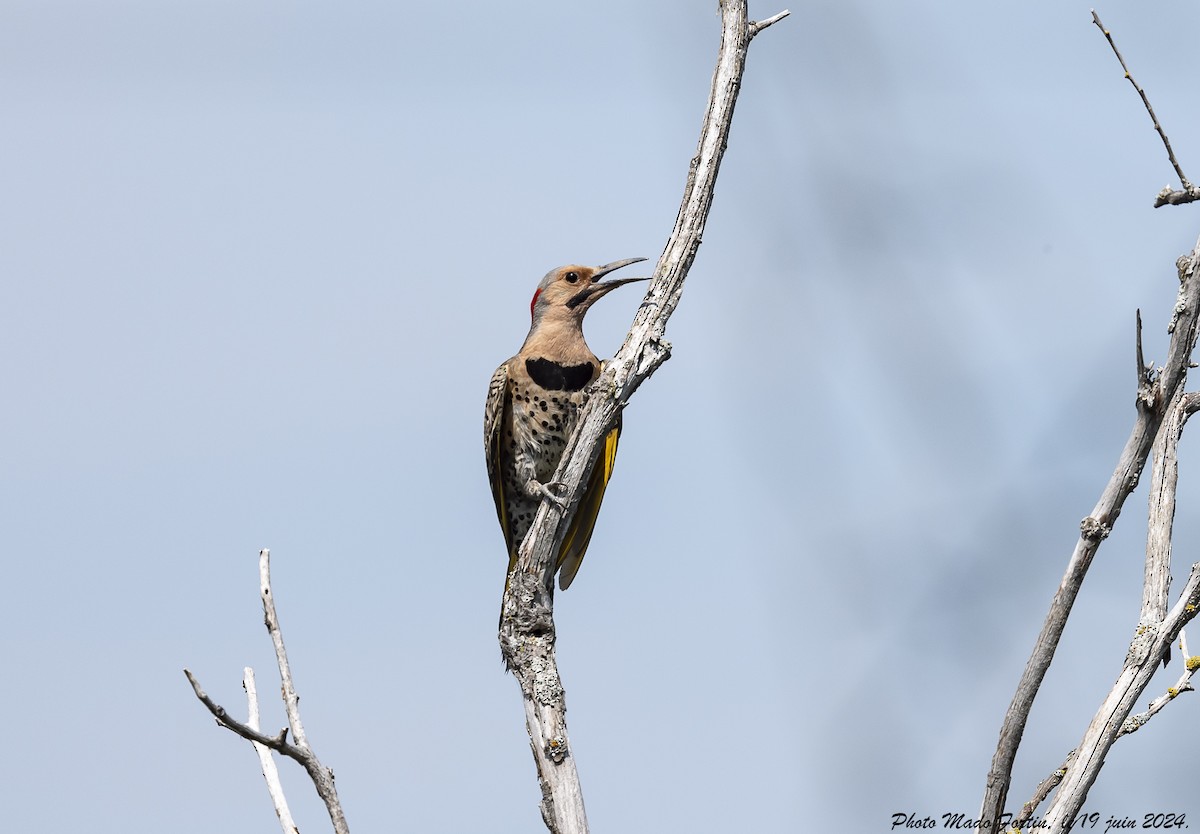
[{"x": 259, "y": 259}]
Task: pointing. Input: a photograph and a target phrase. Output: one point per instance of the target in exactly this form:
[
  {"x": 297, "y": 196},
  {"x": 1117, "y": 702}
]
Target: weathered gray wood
[
  {"x": 1163, "y": 480},
  {"x": 1156, "y": 629},
  {"x": 1164, "y": 476},
  {"x": 1141, "y": 663},
  {"x": 1158, "y": 396},
  {"x": 265, "y": 760},
  {"x": 527, "y": 623},
  {"x": 321, "y": 776},
  {"x": 1156, "y": 392}
]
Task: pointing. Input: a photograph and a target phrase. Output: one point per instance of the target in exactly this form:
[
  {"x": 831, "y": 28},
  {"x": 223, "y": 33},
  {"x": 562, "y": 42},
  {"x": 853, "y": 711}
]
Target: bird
[{"x": 532, "y": 407}]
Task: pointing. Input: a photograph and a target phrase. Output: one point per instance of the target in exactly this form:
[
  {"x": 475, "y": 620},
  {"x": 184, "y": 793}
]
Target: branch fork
[
  {"x": 1162, "y": 409},
  {"x": 298, "y": 749}
]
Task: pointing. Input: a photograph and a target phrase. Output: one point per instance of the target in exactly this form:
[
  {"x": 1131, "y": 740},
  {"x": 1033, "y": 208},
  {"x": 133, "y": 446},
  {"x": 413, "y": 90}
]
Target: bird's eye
[{"x": 572, "y": 277}]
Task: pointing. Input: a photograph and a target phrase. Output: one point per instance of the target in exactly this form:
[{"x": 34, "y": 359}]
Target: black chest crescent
[{"x": 555, "y": 377}]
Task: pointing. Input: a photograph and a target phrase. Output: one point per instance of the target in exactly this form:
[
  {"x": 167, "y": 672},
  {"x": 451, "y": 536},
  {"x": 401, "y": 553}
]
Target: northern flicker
[{"x": 532, "y": 406}]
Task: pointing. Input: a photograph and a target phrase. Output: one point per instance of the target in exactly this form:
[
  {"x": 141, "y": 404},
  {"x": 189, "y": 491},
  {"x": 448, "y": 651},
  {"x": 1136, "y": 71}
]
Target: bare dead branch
[
  {"x": 322, "y": 777},
  {"x": 1159, "y": 398},
  {"x": 1151, "y": 626},
  {"x": 527, "y": 634},
  {"x": 291, "y": 701},
  {"x": 1167, "y": 196},
  {"x": 757, "y": 26},
  {"x": 299, "y": 750},
  {"x": 1172, "y": 197},
  {"x": 1163, "y": 481},
  {"x": 1164, "y": 477},
  {"x": 278, "y": 742},
  {"x": 1144, "y": 371},
  {"x": 1191, "y": 402},
  {"x": 1129, "y": 725},
  {"x": 1040, "y": 793},
  {"x": 1147, "y": 647},
  {"x": 266, "y": 761},
  {"x": 1190, "y": 664},
  {"x": 1151, "y": 410}
]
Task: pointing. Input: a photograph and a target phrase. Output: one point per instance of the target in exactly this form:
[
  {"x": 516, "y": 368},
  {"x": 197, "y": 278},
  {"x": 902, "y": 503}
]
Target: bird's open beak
[
  {"x": 601, "y": 271},
  {"x": 599, "y": 289}
]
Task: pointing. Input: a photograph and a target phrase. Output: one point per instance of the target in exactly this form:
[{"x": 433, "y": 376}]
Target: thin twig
[
  {"x": 278, "y": 742},
  {"x": 756, "y": 26},
  {"x": 1143, "y": 372},
  {"x": 1184, "y": 684},
  {"x": 266, "y": 761},
  {"x": 1166, "y": 196},
  {"x": 1041, "y": 792},
  {"x": 291, "y": 701}
]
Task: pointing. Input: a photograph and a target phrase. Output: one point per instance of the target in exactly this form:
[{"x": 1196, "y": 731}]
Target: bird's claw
[{"x": 539, "y": 490}]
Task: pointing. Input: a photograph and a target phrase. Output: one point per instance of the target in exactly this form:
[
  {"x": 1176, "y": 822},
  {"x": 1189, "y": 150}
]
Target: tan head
[{"x": 566, "y": 293}]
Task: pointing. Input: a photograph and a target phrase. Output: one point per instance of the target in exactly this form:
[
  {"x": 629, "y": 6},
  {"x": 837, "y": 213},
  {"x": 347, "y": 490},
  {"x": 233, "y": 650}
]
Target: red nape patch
[{"x": 533, "y": 303}]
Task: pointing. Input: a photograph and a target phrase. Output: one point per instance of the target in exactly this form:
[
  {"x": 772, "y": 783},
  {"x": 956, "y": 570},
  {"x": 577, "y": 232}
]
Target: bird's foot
[{"x": 536, "y": 489}]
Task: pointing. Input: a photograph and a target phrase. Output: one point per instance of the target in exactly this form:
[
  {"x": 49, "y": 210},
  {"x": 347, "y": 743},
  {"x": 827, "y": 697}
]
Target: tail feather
[{"x": 576, "y": 542}]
